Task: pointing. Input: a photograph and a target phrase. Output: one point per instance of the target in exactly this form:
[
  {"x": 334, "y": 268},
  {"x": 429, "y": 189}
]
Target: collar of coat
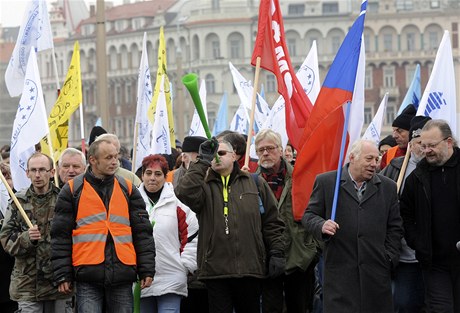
[{"x": 347, "y": 184}]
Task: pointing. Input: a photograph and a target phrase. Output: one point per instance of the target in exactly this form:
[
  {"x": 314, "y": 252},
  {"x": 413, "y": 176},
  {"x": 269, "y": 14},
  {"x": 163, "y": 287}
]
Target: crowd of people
[{"x": 200, "y": 231}]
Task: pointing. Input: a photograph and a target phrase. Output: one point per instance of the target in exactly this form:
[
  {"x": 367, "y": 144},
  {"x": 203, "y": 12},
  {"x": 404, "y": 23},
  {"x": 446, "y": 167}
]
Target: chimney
[{"x": 92, "y": 10}]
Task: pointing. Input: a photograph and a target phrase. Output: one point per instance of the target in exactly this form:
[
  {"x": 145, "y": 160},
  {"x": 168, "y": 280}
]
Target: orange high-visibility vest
[
  {"x": 94, "y": 224},
  {"x": 391, "y": 153}
]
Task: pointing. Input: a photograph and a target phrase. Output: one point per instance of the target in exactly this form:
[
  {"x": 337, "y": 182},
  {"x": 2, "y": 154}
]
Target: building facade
[{"x": 203, "y": 36}]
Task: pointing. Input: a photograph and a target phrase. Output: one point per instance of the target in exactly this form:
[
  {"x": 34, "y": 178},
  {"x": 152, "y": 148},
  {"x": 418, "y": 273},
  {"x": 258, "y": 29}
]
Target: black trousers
[
  {"x": 239, "y": 294},
  {"x": 295, "y": 290},
  {"x": 442, "y": 288}
]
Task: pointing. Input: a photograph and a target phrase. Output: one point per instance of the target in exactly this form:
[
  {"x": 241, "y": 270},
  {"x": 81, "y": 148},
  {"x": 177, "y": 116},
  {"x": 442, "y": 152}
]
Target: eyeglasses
[
  {"x": 223, "y": 152},
  {"x": 269, "y": 149},
  {"x": 41, "y": 170},
  {"x": 431, "y": 146}
]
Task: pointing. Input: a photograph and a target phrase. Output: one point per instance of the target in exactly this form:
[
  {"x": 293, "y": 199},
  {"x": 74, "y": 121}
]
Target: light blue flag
[
  {"x": 98, "y": 122},
  {"x": 222, "y": 116},
  {"x": 414, "y": 93},
  {"x": 262, "y": 91}
]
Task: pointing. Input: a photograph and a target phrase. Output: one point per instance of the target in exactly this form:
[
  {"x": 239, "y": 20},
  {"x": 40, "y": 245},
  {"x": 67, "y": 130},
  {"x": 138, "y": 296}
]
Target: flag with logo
[
  {"x": 196, "y": 127},
  {"x": 162, "y": 76},
  {"x": 323, "y": 132},
  {"x": 375, "y": 127},
  {"x": 240, "y": 120},
  {"x": 35, "y": 31},
  {"x": 414, "y": 93},
  {"x": 270, "y": 47},
  {"x": 161, "y": 143},
  {"x": 144, "y": 98},
  {"x": 439, "y": 98},
  {"x": 69, "y": 99},
  {"x": 30, "y": 124},
  {"x": 221, "y": 121}
]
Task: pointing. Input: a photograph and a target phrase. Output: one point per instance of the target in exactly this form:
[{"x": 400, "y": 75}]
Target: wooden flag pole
[
  {"x": 15, "y": 199},
  {"x": 403, "y": 169},
  {"x": 253, "y": 107}
]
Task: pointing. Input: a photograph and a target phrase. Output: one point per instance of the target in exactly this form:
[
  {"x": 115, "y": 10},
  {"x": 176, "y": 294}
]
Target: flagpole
[
  {"x": 136, "y": 134},
  {"x": 402, "y": 172},
  {"x": 55, "y": 69},
  {"x": 15, "y": 199},
  {"x": 253, "y": 107},
  {"x": 339, "y": 166},
  {"x": 82, "y": 129}
]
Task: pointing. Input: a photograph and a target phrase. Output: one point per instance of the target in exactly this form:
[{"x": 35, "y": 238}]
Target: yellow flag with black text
[{"x": 167, "y": 89}]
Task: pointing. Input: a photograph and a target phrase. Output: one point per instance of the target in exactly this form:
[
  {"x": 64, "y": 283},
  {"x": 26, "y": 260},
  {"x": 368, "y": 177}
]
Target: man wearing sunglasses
[
  {"x": 430, "y": 208},
  {"x": 239, "y": 226},
  {"x": 32, "y": 279}
]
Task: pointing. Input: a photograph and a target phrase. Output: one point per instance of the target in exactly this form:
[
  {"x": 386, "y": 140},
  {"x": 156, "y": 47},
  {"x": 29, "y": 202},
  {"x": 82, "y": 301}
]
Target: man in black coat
[
  {"x": 430, "y": 208},
  {"x": 101, "y": 236}
]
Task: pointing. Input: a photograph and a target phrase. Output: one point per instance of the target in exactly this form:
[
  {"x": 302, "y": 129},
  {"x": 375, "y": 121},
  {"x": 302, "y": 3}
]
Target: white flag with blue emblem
[
  {"x": 30, "y": 124},
  {"x": 240, "y": 120},
  {"x": 308, "y": 75},
  {"x": 439, "y": 98},
  {"x": 35, "y": 31},
  {"x": 196, "y": 128},
  {"x": 374, "y": 129},
  {"x": 144, "y": 98},
  {"x": 161, "y": 143}
]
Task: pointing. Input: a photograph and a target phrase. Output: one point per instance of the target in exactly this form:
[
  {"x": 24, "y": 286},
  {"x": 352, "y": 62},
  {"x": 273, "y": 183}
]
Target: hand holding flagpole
[{"x": 15, "y": 199}]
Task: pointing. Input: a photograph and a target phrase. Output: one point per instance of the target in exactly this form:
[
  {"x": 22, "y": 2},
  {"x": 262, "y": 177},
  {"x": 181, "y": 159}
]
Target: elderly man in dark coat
[{"x": 362, "y": 244}]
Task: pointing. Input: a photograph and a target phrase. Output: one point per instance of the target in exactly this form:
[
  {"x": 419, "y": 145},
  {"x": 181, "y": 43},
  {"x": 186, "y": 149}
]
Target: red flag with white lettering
[{"x": 270, "y": 46}]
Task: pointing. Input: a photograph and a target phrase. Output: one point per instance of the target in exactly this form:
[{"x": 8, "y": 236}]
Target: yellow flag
[
  {"x": 167, "y": 90},
  {"x": 68, "y": 101}
]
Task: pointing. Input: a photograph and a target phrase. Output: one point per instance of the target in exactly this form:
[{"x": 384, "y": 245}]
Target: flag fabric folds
[
  {"x": 439, "y": 98},
  {"x": 68, "y": 101},
  {"x": 4, "y": 198},
  {"x": 270, "y": 46},
  {"x": 35, "y": 31},
  {"x": 162, "y": 75},
  {"x": 196, "y": 127},
  {"x": 375, "y": 127},
  {"x": 323, "y": 131},
  {"x": 144, "y": 98},
  {"x": 221, "y": 121},
  {"x": 161, "y": 143},
  {"x": 240, "y": 120},
  {"x": 30, "y": 124},
  {"x": 414, "y": 93}
]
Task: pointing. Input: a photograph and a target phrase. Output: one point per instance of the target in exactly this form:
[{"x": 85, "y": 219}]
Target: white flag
[
  {"x": 439, "y": 98},
  {"x": 375, "y": 127},
  {"x": 161, "y": 143},
  {"x": 4, "y": 198},
  {"x": 196, "y": 128},
  {"x": 308, "y": 75},
  {"x": 144, "y": 98},
  {"x": 30, "y": 124},
  {"x": 35, "y": 31},
  {"x": 245, "y": 90},
  {"x": 240, "y": 120}
]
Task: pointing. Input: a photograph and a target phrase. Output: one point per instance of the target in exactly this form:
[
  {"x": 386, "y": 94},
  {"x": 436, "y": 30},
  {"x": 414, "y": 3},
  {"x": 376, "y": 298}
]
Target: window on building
[
  {"x": 390, "y": 114},
  {"x": 330, "y": 8},
  {"x": 368, "y": 116},
  {"x": 435, "y": 4},
  {"x": 271, "y": 83},
  {"x": 215, "y": 4},
  {"x": 296, "y": 9},
  {"x": 373, "y": 7},
  {"x": 210, "y": 84},
  {"x": 410, "y": 70},
  {"x": 215, "y": 49},
  {"x": 335, "y": 44},
  {"x": 129, "y": 122},
  {"x": 367, "y": 42},
  {"x": 235, "y": 49},
  {"x": 410, "y": 37},
  {"x": 118, "y": 98},
  {"x": 119, "y": 128},
  {"x": 404, "y": 5},
  {"x": 433, "y": 41},
  {"x": 389, "y": 77},
  {"x": 291, "y": 45},
  {"x": 368, "y": 81},
  {"x": 128, "y": 94},
  {"x": 388, "y": 42},
  {"x": 138, "y": 23},
  {"x": 120, "y": 25}
]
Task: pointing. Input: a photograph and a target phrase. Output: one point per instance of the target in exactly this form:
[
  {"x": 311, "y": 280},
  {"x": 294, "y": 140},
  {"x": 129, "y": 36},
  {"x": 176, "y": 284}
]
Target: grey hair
[
  {"x": 269, "y": 135},
  {"x": 72, "y": 152},
  {"x": 357, "y": 147}
]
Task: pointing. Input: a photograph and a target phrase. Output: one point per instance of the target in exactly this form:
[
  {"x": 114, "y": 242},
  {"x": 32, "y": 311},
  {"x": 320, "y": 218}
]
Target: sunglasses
[{"x": 223, "y": 152}]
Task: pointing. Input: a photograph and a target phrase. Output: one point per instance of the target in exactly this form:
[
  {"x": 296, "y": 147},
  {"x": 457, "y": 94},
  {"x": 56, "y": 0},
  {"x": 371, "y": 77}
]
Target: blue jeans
[
  {"x": 169, "y": 303},
  {"x": 91, "y": 298}
]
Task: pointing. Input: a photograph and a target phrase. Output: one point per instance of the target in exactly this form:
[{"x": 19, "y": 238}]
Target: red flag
[{"x": 270, "y": 46}]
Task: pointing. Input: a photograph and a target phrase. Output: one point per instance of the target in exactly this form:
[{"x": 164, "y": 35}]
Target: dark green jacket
[
  {"x": 252, "y": 234},
  {"x": 32, "y": 277}
]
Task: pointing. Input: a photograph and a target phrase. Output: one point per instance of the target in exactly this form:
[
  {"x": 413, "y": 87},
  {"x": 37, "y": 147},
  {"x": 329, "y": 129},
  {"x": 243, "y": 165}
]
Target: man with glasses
[
  {"x": 239, "y": 227},
  {"x": 295, "y": 287},
  {"x": 430, "y": 208},
  {"x": 32, "y": 278}
]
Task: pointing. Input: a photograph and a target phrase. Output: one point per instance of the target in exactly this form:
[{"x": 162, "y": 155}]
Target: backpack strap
[{"x": 255, "y": 177}]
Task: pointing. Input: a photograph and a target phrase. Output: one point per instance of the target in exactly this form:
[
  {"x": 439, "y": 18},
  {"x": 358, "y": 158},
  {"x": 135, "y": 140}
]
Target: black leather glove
[
  {"x": 208, "y": 150},
  {"x": 276, "y": 265}
]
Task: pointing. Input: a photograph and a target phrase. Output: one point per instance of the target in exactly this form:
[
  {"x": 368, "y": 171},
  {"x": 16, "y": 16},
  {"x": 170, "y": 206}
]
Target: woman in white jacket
[{"x": 175, "y": 230}]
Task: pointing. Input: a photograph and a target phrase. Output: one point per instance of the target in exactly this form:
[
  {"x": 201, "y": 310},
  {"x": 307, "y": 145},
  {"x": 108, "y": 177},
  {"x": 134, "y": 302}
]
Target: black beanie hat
[
  {"x": 388, "y": 140},
  {"x": 95, "y": 132},
  {"x": 403, "y": 120},
  {"x": 416, "y": 125},
  {"x": 192, "y": 143}
]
